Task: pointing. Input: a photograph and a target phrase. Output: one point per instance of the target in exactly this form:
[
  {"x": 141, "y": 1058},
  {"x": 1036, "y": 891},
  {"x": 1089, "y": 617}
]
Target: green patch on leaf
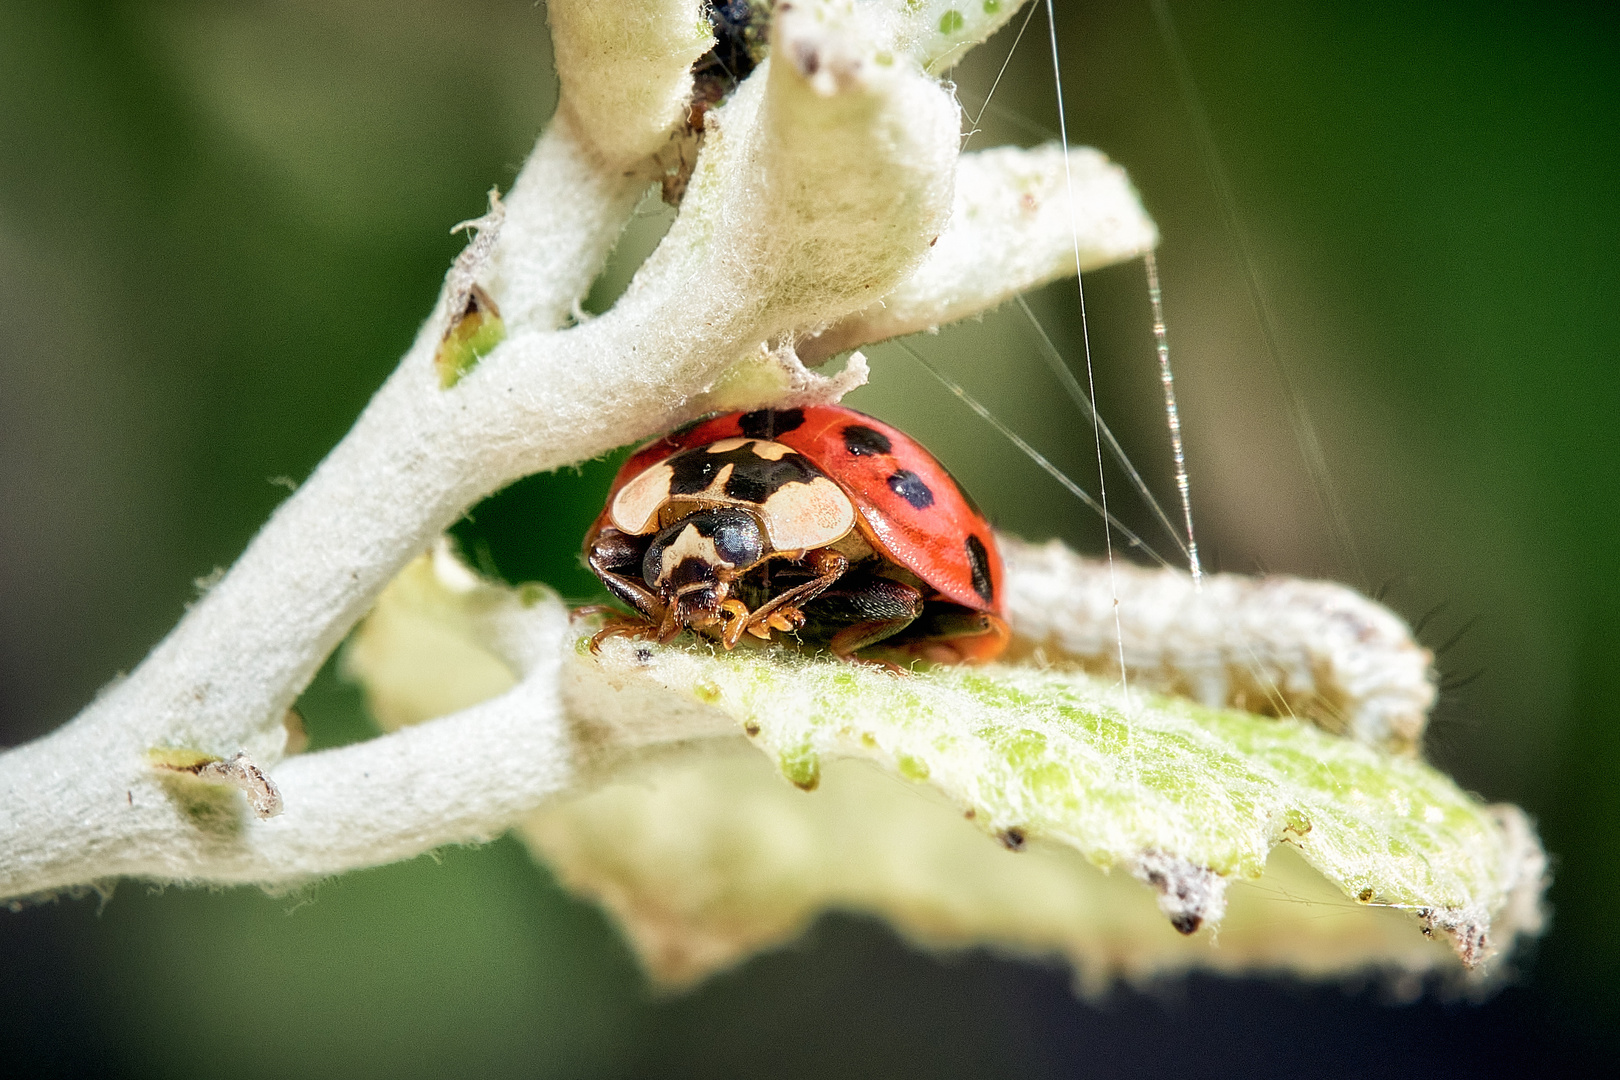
[
  {"x": 475, "y": 333},
  {"x": 179, "y": 758}
]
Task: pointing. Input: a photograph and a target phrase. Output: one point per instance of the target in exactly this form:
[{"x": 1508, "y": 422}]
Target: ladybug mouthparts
[{"x": 691, "y": 563}]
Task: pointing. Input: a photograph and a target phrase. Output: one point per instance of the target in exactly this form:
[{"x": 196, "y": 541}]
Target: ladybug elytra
[{"x": 820, "y": 525}]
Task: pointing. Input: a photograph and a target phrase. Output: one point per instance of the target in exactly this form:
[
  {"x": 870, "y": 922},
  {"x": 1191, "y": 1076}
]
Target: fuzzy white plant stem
[
  {"x": 221, "y": 681},
  {"x": 459, "y": 778},
  {"x": 823, "y": 181},
  {"x": 1011, "y": 231}
]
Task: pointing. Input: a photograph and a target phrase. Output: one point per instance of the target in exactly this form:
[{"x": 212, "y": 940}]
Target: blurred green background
[{"x": 220, "y": 223}]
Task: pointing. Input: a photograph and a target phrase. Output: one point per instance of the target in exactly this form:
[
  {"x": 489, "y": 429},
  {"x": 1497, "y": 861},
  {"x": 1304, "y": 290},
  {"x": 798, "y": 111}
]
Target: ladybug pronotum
[{"x": 817, "y": 526}]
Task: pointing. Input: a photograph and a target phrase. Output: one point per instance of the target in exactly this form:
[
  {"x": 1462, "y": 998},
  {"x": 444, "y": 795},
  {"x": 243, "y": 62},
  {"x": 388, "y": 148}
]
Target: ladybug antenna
[{"x": 1035, "y": 455}]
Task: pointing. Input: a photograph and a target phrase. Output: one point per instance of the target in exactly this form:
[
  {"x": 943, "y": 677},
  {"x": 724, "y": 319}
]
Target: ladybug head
[{"x": 691, "y": 562}]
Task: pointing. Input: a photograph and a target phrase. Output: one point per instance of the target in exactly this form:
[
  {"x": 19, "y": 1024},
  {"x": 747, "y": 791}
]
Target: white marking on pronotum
[
  {"x": 635, "y": 507},
  {"x": 808, "y": 515},
  {"x": 795, "y": 516},
  {"x": 771, "y": 451}
]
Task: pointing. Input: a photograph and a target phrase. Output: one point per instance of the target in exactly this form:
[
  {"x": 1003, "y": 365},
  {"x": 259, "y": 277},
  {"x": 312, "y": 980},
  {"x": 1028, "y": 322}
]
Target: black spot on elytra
[
  {"x": 862, "y": 441},
  {"x": 769, "y": 423},
  {"x": 686, "y": 429},
  {"x": 753, "y": 478},
  {"x": 979, "y": 566},
  {"x": 910, "y": 487}
]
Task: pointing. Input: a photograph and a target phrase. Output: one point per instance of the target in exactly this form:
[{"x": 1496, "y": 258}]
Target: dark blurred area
[{"x": 220, "y": 224}]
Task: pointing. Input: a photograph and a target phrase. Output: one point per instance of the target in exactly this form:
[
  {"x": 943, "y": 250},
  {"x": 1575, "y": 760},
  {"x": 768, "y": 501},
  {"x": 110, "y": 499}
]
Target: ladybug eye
[
  {"x": 700, "y": 544},
  {"x": 737, "y": 538}
]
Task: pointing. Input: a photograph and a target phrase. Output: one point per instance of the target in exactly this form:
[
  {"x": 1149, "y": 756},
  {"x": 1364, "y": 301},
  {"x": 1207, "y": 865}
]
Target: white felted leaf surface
[
  {"x": 1275, "y": 644},
  {"x": 1010, "y": 230},
  {"x": 628, "y": 70},
  {"x": 705, "y": 856}
]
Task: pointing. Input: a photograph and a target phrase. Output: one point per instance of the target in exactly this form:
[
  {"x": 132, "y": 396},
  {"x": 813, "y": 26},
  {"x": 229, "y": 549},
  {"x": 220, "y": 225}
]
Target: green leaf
[
  {"x": 735, "y": 795},
  {"x": 1184, "y": 797}
]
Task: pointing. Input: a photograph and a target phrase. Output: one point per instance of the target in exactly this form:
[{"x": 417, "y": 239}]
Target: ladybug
[{"x": 819, "y": 525}]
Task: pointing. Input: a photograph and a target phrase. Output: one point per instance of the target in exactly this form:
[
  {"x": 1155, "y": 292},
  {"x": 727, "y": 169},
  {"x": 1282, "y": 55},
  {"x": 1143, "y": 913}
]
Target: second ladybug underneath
[{"x": 820, "y": 526}]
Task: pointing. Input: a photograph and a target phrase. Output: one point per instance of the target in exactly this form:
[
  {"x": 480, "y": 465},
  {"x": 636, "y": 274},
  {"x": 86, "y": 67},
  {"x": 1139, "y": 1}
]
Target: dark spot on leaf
[
  {"x": 979, "y": 565},
  {"x": 862, "y": 441},
  {"x": 1186, "y": 922},
  {"x": 910, "y": 487}
]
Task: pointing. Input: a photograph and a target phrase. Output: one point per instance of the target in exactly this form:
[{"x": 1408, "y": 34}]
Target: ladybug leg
[
  {"x": 782, "y": 612},
  {"x": 615, "y": 558},
  {"x": 586, "y": 611},
  {"x": 955, "y": 635},
  {"x": 670, "y": 626},
  {"x": 618, "y": 625},
  {"x": 850, "y": 640},
  {"x": 786, "y": 619},
  {"x": 866, "y": 612},
  {"x": 738, "y": 613}
]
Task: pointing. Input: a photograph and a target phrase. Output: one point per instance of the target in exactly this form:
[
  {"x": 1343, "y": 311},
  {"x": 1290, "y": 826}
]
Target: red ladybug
[{"x": 820, "y": 524}]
